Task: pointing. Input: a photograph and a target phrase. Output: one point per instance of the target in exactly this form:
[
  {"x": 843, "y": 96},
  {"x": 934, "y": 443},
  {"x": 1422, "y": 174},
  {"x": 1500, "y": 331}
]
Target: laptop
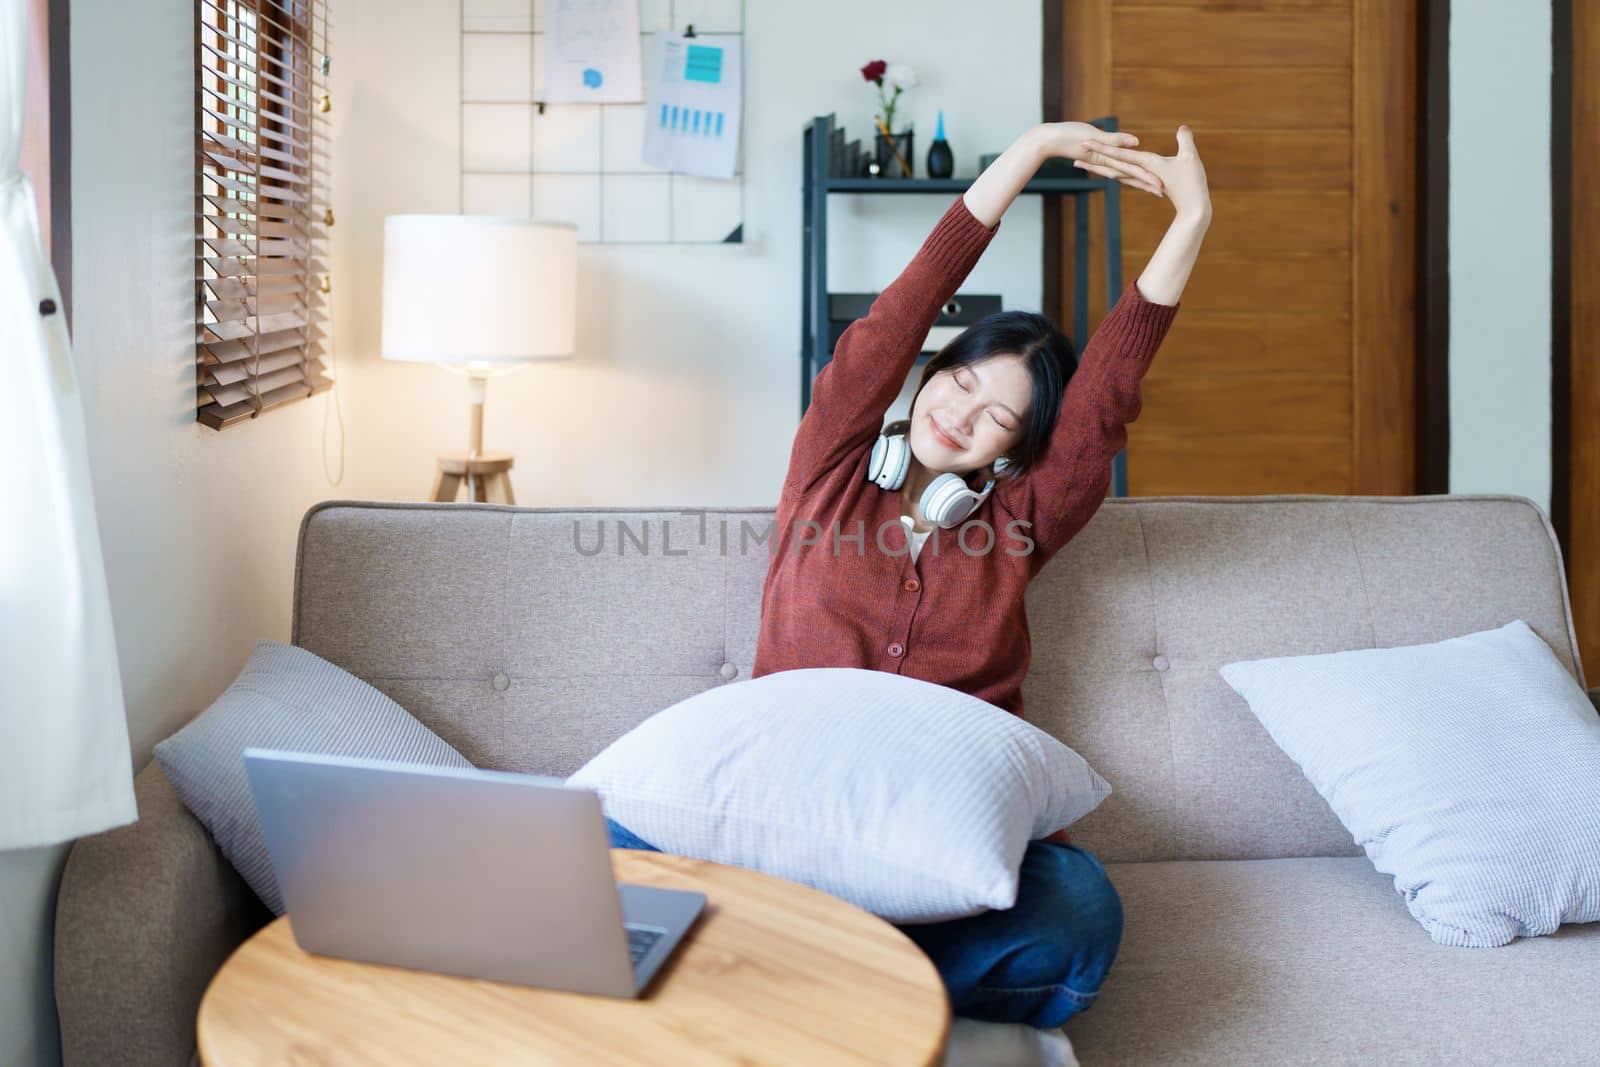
[{"x": 477, "y": 873}]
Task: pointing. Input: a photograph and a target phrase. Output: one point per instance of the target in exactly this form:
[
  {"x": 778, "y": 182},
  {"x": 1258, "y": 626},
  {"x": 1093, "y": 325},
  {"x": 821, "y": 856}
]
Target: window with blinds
[{"x": 262, "y": 210}]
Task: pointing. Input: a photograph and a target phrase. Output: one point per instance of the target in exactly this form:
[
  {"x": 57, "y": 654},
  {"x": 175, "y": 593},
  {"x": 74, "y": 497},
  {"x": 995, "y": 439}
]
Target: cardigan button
[
  {"x": 896, "y": 649},
  {"x": 1160, "y": 663},
  {"x": 913, "y": 585},
  {"x": 727, "y": 672},
  {"x": 502, "y": 682}
]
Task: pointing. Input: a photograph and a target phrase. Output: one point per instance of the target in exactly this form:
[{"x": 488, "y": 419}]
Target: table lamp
[{"x": 479, "y": 294}]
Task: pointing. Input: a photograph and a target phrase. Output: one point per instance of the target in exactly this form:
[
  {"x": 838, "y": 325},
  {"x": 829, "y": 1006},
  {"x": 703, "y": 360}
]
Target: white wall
[
  {"x": 198, "y": 528},
  {"x": 1500, "y": 223},
  {"x": 686, "y": 389}
]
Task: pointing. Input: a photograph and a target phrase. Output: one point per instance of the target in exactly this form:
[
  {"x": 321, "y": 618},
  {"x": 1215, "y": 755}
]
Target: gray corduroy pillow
[{"x": 285, "y": 698}]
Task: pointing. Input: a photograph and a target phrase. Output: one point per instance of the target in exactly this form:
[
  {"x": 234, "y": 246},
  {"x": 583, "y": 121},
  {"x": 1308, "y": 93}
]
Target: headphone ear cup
[
  {"x": 890, "y": 462},
  {"x": 947, "y": 501}
]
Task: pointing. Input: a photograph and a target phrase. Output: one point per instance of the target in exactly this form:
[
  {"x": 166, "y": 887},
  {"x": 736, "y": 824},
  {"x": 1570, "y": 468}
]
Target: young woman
[{"x": 848, "y": 586}]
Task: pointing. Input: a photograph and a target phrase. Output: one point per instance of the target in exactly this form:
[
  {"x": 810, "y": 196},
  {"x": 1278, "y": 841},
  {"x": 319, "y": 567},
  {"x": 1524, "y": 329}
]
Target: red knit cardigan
[{"x": 842, "y": 589}]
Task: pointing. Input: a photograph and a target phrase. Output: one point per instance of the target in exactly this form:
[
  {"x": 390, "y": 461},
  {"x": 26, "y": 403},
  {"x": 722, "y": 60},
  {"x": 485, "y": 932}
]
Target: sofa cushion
[
  {"x": 285, "y": 698},
  {"x": 1469, "y": 769},
  {"x": 1316, "y": 960},
  {"x": 912, "y": 800}
]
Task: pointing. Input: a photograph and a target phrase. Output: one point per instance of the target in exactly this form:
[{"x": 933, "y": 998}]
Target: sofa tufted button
[
  {"x": 502, "y": 681},
  {"x": 1160, "y": 663},
  {"x": 728, "y": 672},
  {"x": 896, "y": 649},
  {"x": 913, "y": 585}
]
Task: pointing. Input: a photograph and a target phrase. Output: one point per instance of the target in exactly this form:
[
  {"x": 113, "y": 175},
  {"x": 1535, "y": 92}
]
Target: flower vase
[{"x": 884, "y": 153}]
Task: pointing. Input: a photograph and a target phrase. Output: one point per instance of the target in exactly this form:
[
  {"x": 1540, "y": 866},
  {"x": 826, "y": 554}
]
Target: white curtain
[{"x": 65, "y": 768}]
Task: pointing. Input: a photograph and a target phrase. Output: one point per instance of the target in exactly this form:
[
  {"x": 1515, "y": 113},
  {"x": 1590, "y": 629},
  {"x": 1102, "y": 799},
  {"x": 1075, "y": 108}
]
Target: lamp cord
[{"x": 333, "y": 405}]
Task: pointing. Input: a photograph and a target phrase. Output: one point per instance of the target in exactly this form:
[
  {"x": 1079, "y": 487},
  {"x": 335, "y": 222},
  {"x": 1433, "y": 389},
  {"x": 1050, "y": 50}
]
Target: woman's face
[{"x": 981, "y": 407}]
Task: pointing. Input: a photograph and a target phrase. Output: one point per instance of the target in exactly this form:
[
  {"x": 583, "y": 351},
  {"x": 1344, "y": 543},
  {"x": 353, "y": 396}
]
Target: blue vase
[{"x": 941, "y": 161}]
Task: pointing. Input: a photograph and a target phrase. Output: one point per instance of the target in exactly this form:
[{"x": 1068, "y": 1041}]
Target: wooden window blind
[{"x": 262, "y": 207}]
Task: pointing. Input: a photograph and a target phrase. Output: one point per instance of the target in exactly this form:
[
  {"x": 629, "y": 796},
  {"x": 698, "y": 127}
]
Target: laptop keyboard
[{"x": 641, "y": 939}]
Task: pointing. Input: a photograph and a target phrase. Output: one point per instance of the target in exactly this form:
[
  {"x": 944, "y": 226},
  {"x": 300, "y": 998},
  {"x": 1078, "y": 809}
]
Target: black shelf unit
[{"x": 826, "y": 161}]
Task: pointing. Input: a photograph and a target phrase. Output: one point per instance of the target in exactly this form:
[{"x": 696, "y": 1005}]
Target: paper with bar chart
[{"x": 692, "y": 105}]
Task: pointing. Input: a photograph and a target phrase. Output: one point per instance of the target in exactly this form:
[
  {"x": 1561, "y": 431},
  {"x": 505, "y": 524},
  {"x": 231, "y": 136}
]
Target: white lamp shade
[{"x": 478, "y": 289}]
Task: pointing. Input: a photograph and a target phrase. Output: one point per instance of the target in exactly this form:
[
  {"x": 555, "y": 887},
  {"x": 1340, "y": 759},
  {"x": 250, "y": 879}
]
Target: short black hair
[{"x": 1047, "y": 353}]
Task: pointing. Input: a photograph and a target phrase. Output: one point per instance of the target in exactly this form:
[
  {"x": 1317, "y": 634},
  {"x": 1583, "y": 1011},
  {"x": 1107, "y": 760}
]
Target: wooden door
[
  {"x": 1583, "y": 348},
  {"x": 1291, "y": 367}
]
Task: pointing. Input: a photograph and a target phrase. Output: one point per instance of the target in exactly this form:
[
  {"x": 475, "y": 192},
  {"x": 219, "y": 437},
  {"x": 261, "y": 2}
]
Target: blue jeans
[{"x": 1039, "y": 961}]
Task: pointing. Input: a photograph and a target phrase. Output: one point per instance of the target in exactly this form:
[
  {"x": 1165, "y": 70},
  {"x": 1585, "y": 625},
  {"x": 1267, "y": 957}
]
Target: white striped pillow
[
  {"x": 1468, "y": 769},
  {"x": 285, "y": 698},
  {"x": 909, "y": 799}
]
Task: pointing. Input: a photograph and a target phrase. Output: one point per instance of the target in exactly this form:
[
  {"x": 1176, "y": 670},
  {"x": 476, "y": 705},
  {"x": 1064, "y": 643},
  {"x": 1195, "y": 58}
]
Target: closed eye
[{"x": 964, "y": 389}]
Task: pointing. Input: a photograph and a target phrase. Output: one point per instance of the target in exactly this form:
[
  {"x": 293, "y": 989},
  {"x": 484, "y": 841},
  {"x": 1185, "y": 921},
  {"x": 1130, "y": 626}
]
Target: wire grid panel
[{"x": 582, "y": 163}]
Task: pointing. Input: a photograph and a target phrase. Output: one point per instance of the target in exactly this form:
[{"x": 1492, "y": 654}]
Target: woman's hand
[
  {"x": 1182, "y": 177},
  {"x": 1072, "y": 140},
  {"x": 991, "y": 193}
]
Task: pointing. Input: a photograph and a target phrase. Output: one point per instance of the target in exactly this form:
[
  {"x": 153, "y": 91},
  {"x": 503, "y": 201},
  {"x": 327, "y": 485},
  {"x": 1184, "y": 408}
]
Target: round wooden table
[{"x": 773, "y": 972}]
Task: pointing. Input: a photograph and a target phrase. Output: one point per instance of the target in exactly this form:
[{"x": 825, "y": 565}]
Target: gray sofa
[{"x": 1256, "y": 932}]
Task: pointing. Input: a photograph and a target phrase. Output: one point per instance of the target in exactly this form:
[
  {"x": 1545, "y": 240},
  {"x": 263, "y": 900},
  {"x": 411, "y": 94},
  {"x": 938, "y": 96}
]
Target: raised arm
[
  {"x": 876, "y": 352},
  {"x": 1183, "y": 180},
  {"x": 1067, "y": 484}
]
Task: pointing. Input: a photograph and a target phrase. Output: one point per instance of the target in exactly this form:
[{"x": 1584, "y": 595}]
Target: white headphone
[{"x": 947, "y": 501}]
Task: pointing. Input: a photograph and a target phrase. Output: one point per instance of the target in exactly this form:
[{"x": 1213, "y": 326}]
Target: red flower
[{"x": 874, "y": 71}]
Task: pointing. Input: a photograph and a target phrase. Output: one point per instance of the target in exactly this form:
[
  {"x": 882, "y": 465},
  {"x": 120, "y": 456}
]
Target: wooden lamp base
[
  {"x": 487, "y": 474},
  {"x": 488, "y": 477}
]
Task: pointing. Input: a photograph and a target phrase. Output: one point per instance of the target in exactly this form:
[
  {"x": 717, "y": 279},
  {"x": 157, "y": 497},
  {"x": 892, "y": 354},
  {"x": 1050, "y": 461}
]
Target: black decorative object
[
  {"x": 941, "y": 161},
  {"x": 884, "y": 150}
]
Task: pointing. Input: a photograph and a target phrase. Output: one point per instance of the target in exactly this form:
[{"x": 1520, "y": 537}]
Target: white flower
[{"x": 900, "y": 76}]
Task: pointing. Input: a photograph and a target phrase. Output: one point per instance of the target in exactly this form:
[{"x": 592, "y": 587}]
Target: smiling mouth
[{"x": 944, "y": 438}]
